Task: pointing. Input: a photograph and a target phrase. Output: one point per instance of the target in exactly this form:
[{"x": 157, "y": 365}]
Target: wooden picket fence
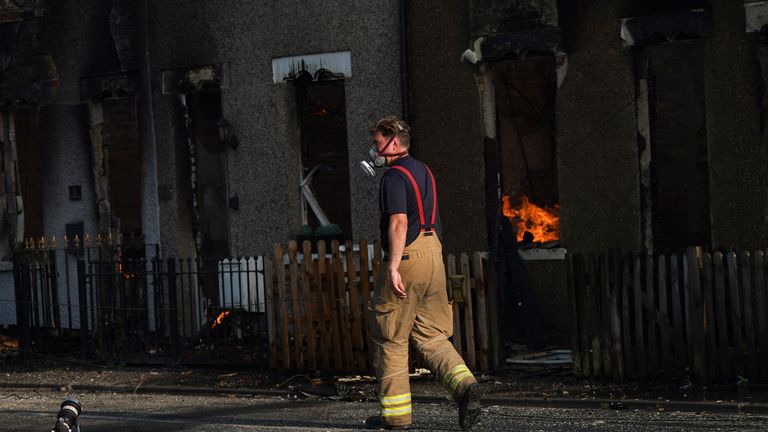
[
  {"x": 696, "y": 315},
  {"x": 317, "y": 308}
]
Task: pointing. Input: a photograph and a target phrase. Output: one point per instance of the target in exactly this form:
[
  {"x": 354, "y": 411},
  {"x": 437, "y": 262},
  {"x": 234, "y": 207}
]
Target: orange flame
[
  {"x": 220, "y": 319},
  {"x": 126, "y": 275},
  {"x": 543, "y": 223}
]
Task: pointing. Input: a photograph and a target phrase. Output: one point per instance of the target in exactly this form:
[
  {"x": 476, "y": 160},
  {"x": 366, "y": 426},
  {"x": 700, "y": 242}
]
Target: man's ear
[{"x": 396, "y": 143}]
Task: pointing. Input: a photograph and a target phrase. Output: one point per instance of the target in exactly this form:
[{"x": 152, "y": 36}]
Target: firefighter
[{"x": 410, "y": 301}]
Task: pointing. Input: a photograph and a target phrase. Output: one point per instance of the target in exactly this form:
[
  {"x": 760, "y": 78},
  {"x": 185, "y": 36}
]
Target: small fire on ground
[
  {"x": 8, "y": 342},
  {"x": 543, "y": 223},
  {"x": 220, "y": 319}
]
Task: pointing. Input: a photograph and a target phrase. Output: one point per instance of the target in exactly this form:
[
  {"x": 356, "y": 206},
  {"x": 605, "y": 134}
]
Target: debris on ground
[{"x": 560, "y": 358}]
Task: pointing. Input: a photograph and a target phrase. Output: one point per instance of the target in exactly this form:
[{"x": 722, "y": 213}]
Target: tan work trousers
[{"x": 425, "y": 318}]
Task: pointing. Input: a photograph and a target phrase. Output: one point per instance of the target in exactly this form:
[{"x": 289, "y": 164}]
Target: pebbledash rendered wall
[
  {"x": 597, "y": 131},
  {"x": 78, "y": 50},
  {"x": 736, "y": 70},
  {"x": 445, "y": 109},
  {"x": 263, "y": 171}
]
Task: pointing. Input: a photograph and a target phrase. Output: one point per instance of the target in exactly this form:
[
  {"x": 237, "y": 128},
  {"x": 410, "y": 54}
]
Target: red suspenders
[{"x": 418, "y": 197}]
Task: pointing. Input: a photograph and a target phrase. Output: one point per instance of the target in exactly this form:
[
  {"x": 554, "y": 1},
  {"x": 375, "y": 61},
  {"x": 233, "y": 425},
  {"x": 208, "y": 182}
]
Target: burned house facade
[
  {"x": 639, "y": 122},
  {"x": 637, "y": 125},
  {"x": 191, "y": 128},
  {"x": 124, "y": 108},
  {"x": 299, "y": 83},
  {"x": 694, "y": 90}
]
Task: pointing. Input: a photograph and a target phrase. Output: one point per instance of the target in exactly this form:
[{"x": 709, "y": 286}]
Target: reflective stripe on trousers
[{"x": 395, "y": 406}]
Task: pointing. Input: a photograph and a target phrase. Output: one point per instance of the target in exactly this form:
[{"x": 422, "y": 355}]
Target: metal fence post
[
  {"x": 83, "y": 306},
  {"x": 173, "y": 308},
  {"x": 23, "y": 316},
  {"x": 154, "y": 269}
]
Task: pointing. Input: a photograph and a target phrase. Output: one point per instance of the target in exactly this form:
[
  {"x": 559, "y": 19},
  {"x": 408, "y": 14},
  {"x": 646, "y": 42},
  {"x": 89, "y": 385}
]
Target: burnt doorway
[
  {"x": 525, "y": 107},
  {"x": 204, "y": 110},
  {"x": 29, "y": 171},
  {"x": 525, "y": 93},
  {"x": 121, "y": 144},
  {"x": 674, "y": 166},
  {"x": 323, "y": 122}
]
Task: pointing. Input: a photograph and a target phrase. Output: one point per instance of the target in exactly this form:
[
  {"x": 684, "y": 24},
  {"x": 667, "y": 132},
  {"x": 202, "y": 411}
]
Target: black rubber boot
[
  {"x": 469, "y": 407},
  {"x": 375, "y": 422}
]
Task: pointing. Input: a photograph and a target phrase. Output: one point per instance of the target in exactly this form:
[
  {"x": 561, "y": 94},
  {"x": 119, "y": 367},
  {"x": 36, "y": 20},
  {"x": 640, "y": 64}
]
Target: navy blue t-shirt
[{"x": 396, "y": 195}]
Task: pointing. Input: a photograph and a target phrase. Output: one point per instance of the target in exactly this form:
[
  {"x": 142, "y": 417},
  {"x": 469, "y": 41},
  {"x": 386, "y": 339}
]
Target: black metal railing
[{"x": 90, "y": 301}]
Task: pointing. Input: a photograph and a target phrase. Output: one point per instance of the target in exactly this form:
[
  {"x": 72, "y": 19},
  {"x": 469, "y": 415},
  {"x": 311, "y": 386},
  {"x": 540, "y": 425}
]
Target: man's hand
[{"x": 397, "y": 284}]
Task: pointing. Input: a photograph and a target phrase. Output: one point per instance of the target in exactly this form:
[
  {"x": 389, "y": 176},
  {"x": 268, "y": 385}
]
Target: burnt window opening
[
  {"x": 121, "y": 144},
  {"x": 525, "y": 106},
  {"x": 652, "y": 7},
  {"x": 75, "y": 193},
  {"x": 489, "y": 17},
  {"x": 29, "y": 170},
  {"x": 324, "y": 149},
  {"x": 207, "y": 158},
  {"x": 210, "y": 164},
  {"x": 674, "y": 167}
]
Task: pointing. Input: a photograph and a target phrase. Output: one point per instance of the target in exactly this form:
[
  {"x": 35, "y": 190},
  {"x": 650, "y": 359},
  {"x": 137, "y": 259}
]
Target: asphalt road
[{"x": 107, "y": 412}]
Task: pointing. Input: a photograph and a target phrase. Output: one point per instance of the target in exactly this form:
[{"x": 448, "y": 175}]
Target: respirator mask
[{"x": 376, "y": 161}]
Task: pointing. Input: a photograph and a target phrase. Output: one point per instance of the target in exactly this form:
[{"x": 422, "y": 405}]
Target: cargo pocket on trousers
[{"x": 383, "y": 317}]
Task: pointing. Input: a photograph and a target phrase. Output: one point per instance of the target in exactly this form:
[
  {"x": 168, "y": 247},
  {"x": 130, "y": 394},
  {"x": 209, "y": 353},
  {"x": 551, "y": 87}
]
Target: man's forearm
[{"x": 398, "y": 227}]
